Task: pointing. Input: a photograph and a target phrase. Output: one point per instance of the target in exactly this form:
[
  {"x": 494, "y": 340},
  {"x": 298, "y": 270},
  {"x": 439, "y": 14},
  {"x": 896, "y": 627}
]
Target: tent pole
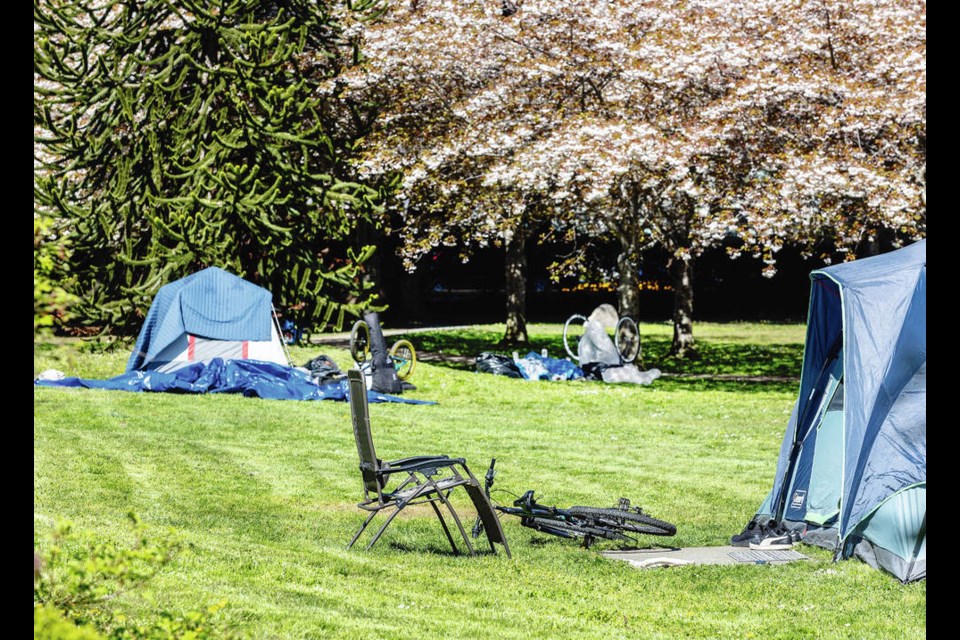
[
  {"x": 276, "y": 325},
  {"x": 916, "y": 546},
  {"x": 781, "y": 509}
]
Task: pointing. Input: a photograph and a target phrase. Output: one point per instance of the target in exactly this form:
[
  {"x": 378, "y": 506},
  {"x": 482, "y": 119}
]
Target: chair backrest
[{"x": 360, "y": 414}]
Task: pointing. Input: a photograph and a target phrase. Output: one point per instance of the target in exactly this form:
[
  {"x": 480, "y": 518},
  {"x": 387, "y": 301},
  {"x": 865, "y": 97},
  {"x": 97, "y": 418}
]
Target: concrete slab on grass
[{"x": 675, "y": 557}]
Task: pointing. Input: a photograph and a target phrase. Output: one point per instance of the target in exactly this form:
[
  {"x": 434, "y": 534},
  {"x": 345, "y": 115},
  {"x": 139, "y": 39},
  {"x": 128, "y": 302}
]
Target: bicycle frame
[
  {"x": 529, "y": 512},
  {"x": 526, "y": 508},
  {"x": 621, "y": 522}
]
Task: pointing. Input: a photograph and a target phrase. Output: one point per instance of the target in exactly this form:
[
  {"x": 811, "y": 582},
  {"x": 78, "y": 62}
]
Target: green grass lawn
[{"x": 264, "y": 492}]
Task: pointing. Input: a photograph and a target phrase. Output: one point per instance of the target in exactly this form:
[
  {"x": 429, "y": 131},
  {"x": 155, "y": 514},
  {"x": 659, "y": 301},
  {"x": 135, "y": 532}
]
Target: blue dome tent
[
  {"x": 208, "y": 314},
  {"x": 852, "y": 470}
]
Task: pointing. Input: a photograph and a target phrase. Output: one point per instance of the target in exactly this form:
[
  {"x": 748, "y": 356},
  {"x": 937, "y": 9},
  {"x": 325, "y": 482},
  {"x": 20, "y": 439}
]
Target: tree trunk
[
  {"x": 628, "y": 291},
  {"x": 681, "y": 276},
  {"x": 516, "y": 289}
]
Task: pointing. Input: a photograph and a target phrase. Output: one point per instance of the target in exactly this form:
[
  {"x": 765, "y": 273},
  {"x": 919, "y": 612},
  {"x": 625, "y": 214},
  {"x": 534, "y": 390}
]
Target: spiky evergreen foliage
[{"x": 172, "y": 135}]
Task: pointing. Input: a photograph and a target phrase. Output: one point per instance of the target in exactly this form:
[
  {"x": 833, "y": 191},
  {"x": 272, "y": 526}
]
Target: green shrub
[
  {"x": 49, "y": 623},
  {"x": 79, "y": 577}
]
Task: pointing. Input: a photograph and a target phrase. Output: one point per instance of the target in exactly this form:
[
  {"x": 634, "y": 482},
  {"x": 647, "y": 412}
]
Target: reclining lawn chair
[{"x": 425, "y": 479}]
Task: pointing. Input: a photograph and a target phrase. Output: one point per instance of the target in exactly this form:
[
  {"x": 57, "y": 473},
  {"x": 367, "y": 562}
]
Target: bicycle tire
[
  {"x": 627, "y": 339},
  {"x": 619, "y": 520},
  {"x": 360, "y": 342},
  {"x": 573, "y": 353},
  {"x": 404, "y": 357}
]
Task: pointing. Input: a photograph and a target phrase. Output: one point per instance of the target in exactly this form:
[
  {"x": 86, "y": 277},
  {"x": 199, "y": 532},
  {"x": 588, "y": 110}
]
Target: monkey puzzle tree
[
  {"x": 177, "y": 134},
  {"x": 51, "y": 302}
]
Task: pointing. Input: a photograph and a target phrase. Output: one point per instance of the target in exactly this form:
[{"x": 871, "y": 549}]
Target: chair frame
[{"x": 425, "y": 479}]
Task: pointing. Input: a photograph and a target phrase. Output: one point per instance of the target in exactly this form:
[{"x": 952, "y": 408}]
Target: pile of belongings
[
  {"x": 600, "y": 359},
  {"x": 323, "y": 369},
  {"x": 596, "y": 351},
  {"x": 534, "y": 366},
  {"x": 598, "y": 354}
]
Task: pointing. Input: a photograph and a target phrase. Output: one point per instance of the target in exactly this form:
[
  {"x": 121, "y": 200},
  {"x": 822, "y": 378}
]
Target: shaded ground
[
  {"x": 342, "y": 341},
  {"x": 460, "y": 349}
]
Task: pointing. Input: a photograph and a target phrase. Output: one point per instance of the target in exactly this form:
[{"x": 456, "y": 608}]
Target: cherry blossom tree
[
  {"x": 837, "y": 129},
  {"x": 685, "y": 125}
]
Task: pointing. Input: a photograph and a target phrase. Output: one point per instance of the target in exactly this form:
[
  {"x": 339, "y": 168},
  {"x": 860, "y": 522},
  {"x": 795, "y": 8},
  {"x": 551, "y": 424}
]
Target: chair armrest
[
  {"x": 415, "y": 459},
  {"x": 420, "y": 462}
]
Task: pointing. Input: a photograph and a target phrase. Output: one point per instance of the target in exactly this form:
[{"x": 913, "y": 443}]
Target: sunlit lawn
[{"x": 264, "y": 492}]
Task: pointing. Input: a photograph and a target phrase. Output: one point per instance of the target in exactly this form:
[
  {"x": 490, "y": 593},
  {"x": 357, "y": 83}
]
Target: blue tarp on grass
[
  {"x": 538, "y": 367},
  {"x": 252, "y": 378}
]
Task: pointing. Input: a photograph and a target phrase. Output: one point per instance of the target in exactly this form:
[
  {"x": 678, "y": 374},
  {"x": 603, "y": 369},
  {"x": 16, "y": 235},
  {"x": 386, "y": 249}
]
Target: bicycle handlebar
[{"x": 488, "y": 478}]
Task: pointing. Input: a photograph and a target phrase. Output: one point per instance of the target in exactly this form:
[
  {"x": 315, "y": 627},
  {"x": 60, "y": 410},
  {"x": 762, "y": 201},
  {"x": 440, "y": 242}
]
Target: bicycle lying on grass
[{"x": 621, "y": 522}]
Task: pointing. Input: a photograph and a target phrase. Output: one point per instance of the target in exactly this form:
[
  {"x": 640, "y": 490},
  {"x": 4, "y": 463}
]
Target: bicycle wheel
[
  {"x": 404, "y": 358},
  {"x": 360, "y": 342},
  {"x": 573, "y": 333},
  {"x": 627, "y": 339},
  {"x": 617, "y": 521}
]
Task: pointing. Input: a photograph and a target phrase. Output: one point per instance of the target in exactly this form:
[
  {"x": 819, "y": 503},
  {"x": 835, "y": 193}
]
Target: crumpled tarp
[
  {"x": 497, "y": 364},
  {"x": 627, "y": 372},
  {"x": 252, "y": 378},
  {"x": 595, "y": 345},
  {"x": 534, "y": 366}
]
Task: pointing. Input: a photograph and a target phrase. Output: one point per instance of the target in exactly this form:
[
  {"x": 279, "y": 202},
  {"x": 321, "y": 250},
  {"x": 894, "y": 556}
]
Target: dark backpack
[{"x": 324, "y": 369}]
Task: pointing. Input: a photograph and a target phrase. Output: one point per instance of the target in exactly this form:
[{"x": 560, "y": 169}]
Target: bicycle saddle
[{"x": 526, "y": 500}]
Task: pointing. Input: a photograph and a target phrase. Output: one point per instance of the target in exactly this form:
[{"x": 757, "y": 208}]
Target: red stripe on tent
[
  {"x": 191, "y": 346},
  {"x": 245, "y": 347}
]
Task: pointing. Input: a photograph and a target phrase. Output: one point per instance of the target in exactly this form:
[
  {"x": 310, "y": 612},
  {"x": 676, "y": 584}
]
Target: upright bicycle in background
[
  {"x": 621, "y": 522},
  {"x": 402, "y": 353},
  {"x": 626, "y": 337}
]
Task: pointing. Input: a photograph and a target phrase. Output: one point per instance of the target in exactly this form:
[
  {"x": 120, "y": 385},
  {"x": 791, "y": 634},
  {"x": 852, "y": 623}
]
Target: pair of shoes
[{"x": 755, "y": 534}]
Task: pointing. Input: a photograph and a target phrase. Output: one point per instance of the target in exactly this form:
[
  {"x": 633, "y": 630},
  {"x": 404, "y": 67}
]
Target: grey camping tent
[{"x": 852, "y": 471}]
